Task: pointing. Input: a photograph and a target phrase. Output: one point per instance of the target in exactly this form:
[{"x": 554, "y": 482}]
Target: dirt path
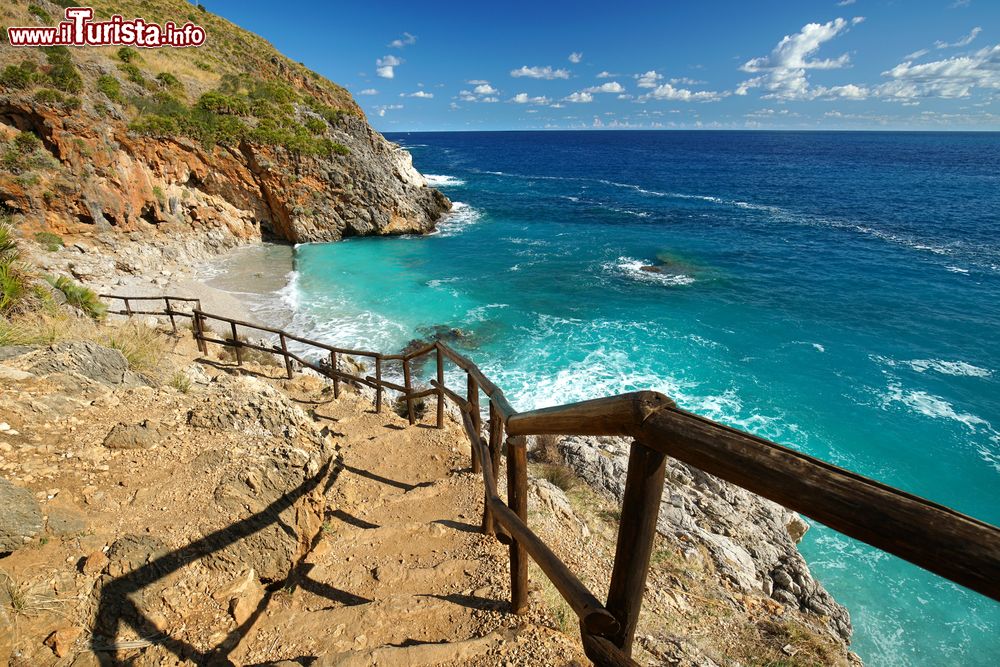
[{"x": 401, "y": 575}]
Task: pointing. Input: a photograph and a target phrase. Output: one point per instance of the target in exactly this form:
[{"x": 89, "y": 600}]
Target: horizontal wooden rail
[{"x": 937, "y": 538}]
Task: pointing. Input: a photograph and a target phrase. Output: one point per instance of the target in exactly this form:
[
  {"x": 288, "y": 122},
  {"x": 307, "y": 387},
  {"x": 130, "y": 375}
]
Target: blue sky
[{"x": 831, "y": 64}]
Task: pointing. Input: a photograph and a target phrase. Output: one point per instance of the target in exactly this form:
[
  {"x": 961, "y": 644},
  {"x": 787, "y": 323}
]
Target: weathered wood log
[
  {"x": 603, "y": 653},
  {"x": 936, "y": 538},
  {"x": 491, "y": 389},
  {"x": 284, "y": 354},
  {"x": 473, "y": 398},
  {"x": 170, "y": 314},
  {"x": 334, "y": 368},
  {"x": 236, "y": 346},
  {"x": 517, "y": 500},
  {"x": 614, "y": 415},
  {"x": 440, "y": 392},
  {"x": 408, "y": 387},
  {"x": 378, "y": 385},
  {"x": 636, "y": 532}
]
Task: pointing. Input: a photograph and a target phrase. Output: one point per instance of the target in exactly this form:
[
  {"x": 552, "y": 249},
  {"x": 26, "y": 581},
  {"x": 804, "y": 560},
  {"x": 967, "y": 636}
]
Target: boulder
[
  {"x": 20, "y": 518},
  {"x": 132, "y": 436}
]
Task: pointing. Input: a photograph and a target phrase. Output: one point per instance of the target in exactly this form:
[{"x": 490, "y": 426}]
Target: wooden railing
[{"x": 939, "y": 539}]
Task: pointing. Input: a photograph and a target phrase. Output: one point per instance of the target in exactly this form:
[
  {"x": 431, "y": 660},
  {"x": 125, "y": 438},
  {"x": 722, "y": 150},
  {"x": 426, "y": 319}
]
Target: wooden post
[
  {"x": 440, "y": 394},
  {"x": 336, "y": 380},
  {"x": 378, "y": 381},
  {"x": 517, "y": 500},
  {"x": 496, "y": 439},
  {"x": 496, "y": 436},
  {"x": 128, "y": 307},
  {"x": 170, "y": 314},
  {"x": 477, "y": 420},
  {"x": 199, "y": 332},
  {"x": 284, "y": 353},
  {"x": 636, "y": 531},
  {"x": 236, "y": 346},
  {"x": 409, "y": 390}
]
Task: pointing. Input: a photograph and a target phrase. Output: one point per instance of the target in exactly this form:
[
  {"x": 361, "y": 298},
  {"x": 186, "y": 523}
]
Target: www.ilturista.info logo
[{"x": 79, "y": 30}]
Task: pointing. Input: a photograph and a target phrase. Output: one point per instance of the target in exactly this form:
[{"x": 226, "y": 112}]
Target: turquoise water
[{"x": 839, "y": 293}]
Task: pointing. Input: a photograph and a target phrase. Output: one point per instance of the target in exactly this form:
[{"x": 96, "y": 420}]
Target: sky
[{"x": 728, "y": 64}]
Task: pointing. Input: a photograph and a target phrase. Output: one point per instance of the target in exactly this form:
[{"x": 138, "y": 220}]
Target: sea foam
[{"x": 443, "y": 180}]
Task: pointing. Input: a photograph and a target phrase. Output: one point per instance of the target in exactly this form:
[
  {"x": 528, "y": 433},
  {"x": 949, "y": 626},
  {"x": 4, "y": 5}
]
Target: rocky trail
[{"x": 235, "y": 517}]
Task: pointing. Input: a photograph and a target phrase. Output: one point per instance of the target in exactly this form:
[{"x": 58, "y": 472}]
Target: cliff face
[{"x": 232, "y": 136}]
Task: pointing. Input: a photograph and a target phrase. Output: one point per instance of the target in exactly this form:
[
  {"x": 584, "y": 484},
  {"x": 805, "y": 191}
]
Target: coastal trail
[{"x": 401, "y": 573}]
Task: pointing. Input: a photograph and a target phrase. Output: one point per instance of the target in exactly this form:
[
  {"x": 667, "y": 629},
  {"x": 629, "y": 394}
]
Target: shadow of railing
[{"x": 116, "y": 607}]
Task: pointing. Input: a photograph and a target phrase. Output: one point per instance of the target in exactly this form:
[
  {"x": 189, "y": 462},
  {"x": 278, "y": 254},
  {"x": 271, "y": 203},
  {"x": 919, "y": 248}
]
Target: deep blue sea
[{"x": 835, "y": 292}]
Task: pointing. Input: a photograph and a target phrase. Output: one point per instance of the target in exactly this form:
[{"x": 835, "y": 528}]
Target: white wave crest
[
  {"x": 461, "y": 216},
  {"x": 955, "y": 368},
  {"x": 633, "y": 268},
  {"x": 443, "y": 180},
  {"x": 931, "y": 406}
]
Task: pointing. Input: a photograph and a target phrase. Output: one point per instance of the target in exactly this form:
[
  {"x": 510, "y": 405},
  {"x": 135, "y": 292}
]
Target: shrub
[
  {"x": 62, "y": 71},
  {"x": 49, "y": 96},
  {"x": 315, "y": 125},
  {"x": 132, "y": 73},
  {"x": 127, "y": 54},
  {"x": 168, "y": 80},
  {"x": 154, "y": 126},
  {"x": 35, "y": 10},
  {"x": 419, "y": 408},
  {"x": 546, "y": 449},
  {"x": 27, "y": 142},
  {"x": 217, "y": 102},
  {"x": 80, "y": 297},
  {"x": 52, "y": 242},
  {"x": 202, "y": 65},
  {"x": 110, "y": 86},
  {"x": 19, "y": 76},
  {"x": 142, "y": 347},
  {"x": 16, "y": 280},
  {"x": 181, "y": 382},
  {"x": 561, "y": 476}
]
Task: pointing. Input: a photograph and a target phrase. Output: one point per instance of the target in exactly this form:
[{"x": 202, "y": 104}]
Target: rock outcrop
[
  {"x": 750, "y": 540},
  {"x": 231, "y": 138},
  {"x": 20, "y": 519}
]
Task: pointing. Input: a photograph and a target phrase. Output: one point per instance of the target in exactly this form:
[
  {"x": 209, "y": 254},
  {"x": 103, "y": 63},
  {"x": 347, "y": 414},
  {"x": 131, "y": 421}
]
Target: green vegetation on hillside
[{"x": 234, "y": 88}]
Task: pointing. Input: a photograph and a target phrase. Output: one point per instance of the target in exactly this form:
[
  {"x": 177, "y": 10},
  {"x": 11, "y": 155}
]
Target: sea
[{"x": 836, "y": 292}]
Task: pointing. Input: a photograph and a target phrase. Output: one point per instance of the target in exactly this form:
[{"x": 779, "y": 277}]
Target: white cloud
[
  {"x": 687, "y": 81},
  {"x": 368, "y": 91},
  {"x": 387, "y": 107},
  {"x": 523, "y": 98},
  {"x": 385, "y": 67},
  {"x": 963, "y": 41},
  {"x": 782, "y": 73},
  {"x": 844, "y": 3},
  {"x": 951, "y": 77},
  {"x": 557, "y": 105},
  {"x": 920, "y": 53},
  {"x": 649, "y": 79},
  {"x": 668, "y": 92},
  {"x": 606, "y": 75},
  {"x": 490, "y": 100},
  {"x": 406, "y": 40},
  {"x": 540, "y": 72},
  {"x": 485, "y": 89},
  {"x": 609, "y": 87},
  {"x": 575, "y": 57},
  {"x": 625, "y": 97},
  {"x": 476, "y": 82},
  {"x": 582, "y": 97},
  {"x": 421, "y": 94}
]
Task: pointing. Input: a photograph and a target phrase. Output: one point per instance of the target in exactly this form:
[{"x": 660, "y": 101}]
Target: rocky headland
[{"x": 165, "y": 507}]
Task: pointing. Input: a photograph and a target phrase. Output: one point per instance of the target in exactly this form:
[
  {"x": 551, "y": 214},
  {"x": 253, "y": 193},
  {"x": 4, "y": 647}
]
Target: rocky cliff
[{"x": 231, "y": 136}]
